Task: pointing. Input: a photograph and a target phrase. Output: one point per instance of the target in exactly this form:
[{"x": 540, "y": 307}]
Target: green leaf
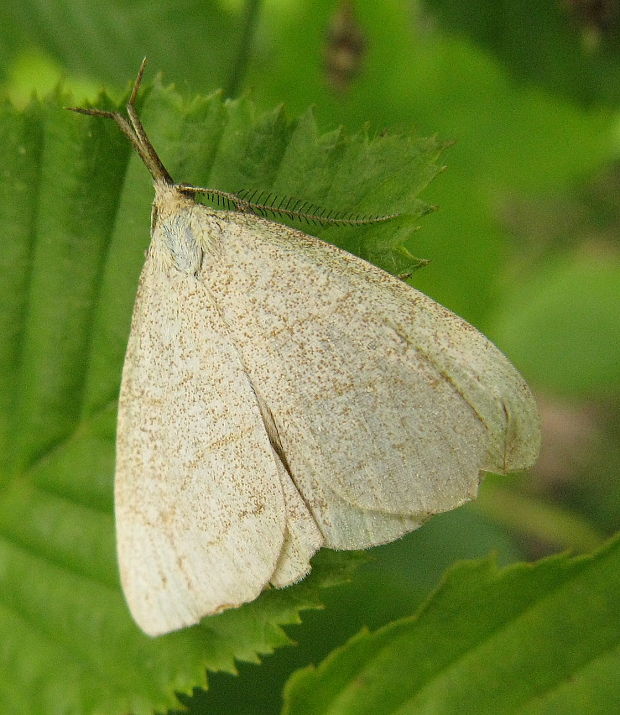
[
  {"x": 74, "y": 218},
  {"x": 397, "y": 578},
  {"x": 530, "y": 638}
]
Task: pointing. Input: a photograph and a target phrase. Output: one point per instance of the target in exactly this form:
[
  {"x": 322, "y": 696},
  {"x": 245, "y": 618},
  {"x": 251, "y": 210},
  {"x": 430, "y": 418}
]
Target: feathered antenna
[
  {"x": 264, "y": 203},
  {"x": 247, "y": 201}
]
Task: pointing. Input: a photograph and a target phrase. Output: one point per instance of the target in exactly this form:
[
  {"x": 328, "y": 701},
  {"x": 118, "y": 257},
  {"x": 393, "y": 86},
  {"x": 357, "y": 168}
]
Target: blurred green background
[{"x": 525, "y": 243}]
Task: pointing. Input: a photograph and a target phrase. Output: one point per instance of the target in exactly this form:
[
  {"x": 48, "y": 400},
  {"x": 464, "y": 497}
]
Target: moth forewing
[
  {"x": 200, "y": 511},
  {"x": 387, "y": 405}
]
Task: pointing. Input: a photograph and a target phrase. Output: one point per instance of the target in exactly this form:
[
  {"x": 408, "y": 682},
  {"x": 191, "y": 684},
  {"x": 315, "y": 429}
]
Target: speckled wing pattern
[
  {"x": 280, "y": 394},
  {"x": 206, "y": 515},
  {"x": 386, "y": 405}
]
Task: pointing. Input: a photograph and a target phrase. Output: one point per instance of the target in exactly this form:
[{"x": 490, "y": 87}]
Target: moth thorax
[{"x": 179, "y": 245}]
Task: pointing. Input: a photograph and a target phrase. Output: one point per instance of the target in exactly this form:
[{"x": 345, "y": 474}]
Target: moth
[{"x": 279, "y": 395}]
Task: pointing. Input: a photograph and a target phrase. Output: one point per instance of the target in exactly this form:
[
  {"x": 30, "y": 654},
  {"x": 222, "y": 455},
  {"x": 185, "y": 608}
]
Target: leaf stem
[
  {"x": 549, "y": 523},
  {"x": 252, "y": 8}
]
